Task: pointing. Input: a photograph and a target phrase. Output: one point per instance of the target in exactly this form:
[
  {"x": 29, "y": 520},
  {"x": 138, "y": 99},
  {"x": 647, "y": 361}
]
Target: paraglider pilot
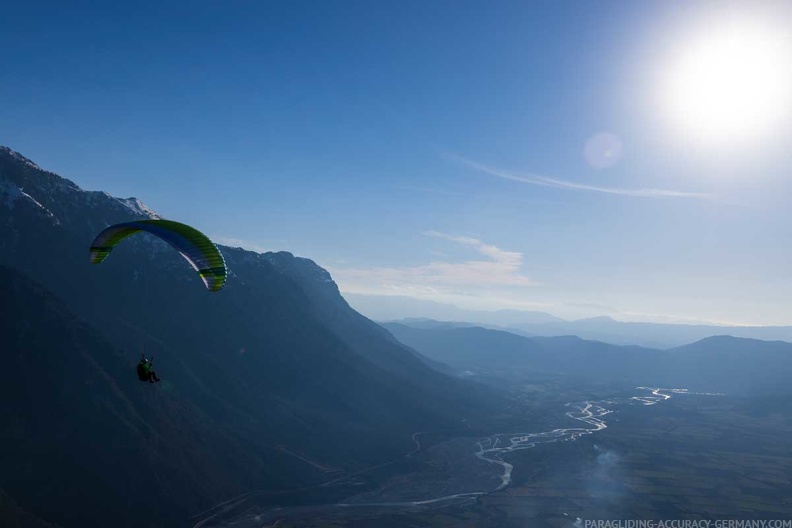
[{"x": 145, "y": 371}]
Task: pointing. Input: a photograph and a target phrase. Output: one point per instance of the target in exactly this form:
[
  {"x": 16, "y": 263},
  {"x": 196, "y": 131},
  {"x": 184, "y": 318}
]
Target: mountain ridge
[
  {"x": 717, "y": 363},
  {"x": 275, "y": 363},
  {"x": 609, "y": 330}
]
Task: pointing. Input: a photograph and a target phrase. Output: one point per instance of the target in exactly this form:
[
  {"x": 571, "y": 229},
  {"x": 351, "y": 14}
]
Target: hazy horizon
[{"x": 395, "y": 307}]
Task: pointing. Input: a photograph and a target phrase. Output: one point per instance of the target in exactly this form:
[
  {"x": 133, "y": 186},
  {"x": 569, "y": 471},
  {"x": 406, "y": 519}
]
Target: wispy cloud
[
  {"x": 511, "y": 259},
  {"x": 500, "y": 268},
  {"x": 533, "y": 179}
]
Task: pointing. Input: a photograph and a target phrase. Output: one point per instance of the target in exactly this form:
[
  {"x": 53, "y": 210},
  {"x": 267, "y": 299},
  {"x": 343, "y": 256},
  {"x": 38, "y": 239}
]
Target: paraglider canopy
[{"x": 194, "y": 246}]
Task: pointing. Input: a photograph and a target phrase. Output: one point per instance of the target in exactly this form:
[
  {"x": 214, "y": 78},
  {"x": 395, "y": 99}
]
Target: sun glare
[{"x": 730, "y": 83}]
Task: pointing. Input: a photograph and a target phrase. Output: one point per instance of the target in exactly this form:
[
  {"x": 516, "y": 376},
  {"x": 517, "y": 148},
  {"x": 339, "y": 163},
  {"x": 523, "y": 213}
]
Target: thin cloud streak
[
  {"x": 512, "y": 259},
  {"x": 500, "y": 269},
  {"x": 562, "y": 184}
]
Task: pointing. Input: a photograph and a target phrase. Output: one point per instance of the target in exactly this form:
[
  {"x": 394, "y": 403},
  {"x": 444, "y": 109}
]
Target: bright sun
[{"x": 730, "y": 83}]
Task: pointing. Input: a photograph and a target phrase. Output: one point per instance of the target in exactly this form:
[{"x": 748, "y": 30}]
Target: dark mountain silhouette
[
  {"x": 733, "y": 364},
  {"x": 13, "y": 516},
  {"x": 268, "y": 384},
  {"x": 78, "y": 430},
  {"x": 721, "y": 363}
]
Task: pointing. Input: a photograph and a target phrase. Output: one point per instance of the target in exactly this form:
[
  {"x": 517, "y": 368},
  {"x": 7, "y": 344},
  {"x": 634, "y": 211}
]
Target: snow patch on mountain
[
  {"x": 19, "y": 157},
  {"x": 138, "y": 207},
  {"x": 11, "y": 193},
  {"x": 55, "y": 193}
]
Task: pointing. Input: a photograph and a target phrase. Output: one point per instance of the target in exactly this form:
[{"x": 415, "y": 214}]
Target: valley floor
[{"x": 665, "y": 455}]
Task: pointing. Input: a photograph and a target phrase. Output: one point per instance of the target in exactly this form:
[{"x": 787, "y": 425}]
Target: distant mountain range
[
  {"x": 266, "y": 384},
  {"x": 658, "y": 335},
  {"x": 395, "y": 307},
  {"x": 526, "y": 322},
  {"x": 719, "y": 364},
  {"x": 606, "y": 329}
]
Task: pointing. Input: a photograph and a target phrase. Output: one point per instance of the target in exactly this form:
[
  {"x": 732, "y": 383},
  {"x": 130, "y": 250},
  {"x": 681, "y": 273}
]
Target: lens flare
[{"x": 603, "y": 150}]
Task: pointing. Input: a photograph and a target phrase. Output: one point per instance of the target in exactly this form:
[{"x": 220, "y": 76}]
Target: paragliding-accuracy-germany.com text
[{"x": 679, "y": 523}]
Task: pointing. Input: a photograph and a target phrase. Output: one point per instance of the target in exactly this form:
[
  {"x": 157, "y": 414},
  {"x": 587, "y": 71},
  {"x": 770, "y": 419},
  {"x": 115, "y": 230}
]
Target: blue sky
[{"x": 486, "y": 154}]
